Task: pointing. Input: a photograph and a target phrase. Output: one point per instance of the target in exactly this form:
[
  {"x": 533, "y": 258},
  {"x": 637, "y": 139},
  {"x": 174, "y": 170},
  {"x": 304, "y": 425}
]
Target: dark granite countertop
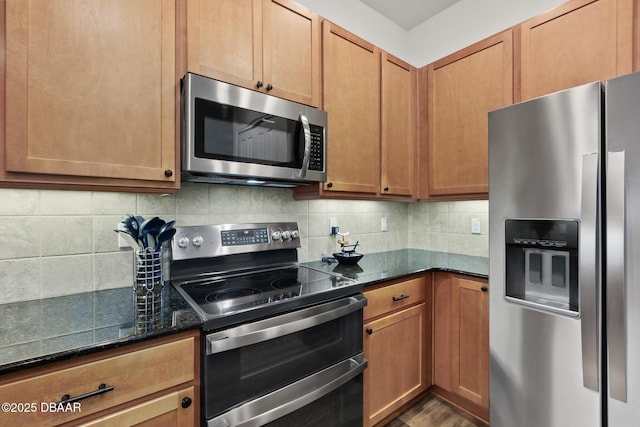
[
  {"x": 37, "y": 332},
  {"x": 382, "y": 266},
  {"x": 34, "y": 333}
]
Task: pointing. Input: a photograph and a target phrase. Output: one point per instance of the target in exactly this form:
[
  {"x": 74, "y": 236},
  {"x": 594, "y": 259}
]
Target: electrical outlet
[
  {"x": 384, "y": 224},
  {"x": 121, "y": 242},
  {"x": 475, "y": 226},
  {"x": 333, "y": 226}
]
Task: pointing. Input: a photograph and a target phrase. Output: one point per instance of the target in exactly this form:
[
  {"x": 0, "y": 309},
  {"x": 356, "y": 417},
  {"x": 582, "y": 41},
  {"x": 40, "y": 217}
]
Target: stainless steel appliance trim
[
  {"x": 263, "y": 330},
  {"x": 588, "y": 272},
  {"x": 616, "y": 233},
  {"x": 211, "y": 245},
  {"x": 288, "y": 399},
  {"x": 307, "y": 145},
  {"x": 225, "y": 171},
  {"x": 542, "y": 307}
]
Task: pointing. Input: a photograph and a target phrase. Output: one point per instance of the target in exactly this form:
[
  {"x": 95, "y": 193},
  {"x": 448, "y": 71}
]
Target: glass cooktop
[{"x": 225, "y": 296}]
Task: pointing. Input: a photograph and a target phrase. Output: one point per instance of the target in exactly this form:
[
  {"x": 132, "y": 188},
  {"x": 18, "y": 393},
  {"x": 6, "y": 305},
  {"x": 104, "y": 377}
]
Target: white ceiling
[{"x": 409, "y": 13}]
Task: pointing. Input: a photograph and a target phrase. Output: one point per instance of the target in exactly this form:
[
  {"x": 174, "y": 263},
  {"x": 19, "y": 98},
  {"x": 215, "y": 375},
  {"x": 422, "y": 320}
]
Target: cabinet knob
[
  {"x": 369, "y": 331},
  {"x": 168, "y": 173},
  {"x": 484, "y": 289},
  {"x": 259, "y": 84},
  {"x": 269, "y": 86},
  {"x": 329, "y": 184},
  {"x": 186, "y": 402},
  {"x": 385, "y": 189}
]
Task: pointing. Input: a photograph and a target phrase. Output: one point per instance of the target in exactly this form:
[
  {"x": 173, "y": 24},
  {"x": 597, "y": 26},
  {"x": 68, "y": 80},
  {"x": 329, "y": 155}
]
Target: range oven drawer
[
  {"x": 253, "y": 360},
  {"x": 331, "y": 397}
]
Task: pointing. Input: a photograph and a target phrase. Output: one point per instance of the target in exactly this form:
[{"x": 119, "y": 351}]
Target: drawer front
[
  {"x": 395, "y": 296},
  {"x": 132, "y": 375}
]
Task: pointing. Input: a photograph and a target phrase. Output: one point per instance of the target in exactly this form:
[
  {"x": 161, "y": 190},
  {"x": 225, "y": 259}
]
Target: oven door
[
  {"x": 250, "y": 361},
  {"x": 331, "y": 397}
]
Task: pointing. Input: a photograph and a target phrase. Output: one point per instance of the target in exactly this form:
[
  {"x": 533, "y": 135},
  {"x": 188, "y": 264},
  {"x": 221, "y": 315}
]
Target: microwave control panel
[{"x": 316, "y": 161}]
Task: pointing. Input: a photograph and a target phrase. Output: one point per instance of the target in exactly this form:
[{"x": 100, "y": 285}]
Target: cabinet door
[
  {"x": 398, "y": 146},
  {"x": 91, "y": 89},
  {"x": 470, "y": 340},
  {"x": 174, "y": 409},
  {"x": 224, "y": 40},
  {"x": 462, "y": 89},
  {"x": 442, "y": 328},
  {"x": 579, "y": 42},
  {"x": 291, "y": 42},
  {"x": 394, "y": 347},
  {"x": 351, "y": 85}
]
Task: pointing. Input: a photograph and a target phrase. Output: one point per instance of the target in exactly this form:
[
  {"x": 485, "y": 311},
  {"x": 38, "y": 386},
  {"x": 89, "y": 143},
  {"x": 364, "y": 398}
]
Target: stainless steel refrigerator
[{"x": 564, "y": 209}]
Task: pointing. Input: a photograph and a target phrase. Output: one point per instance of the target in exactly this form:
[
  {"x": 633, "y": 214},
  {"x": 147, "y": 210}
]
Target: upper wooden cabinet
[
  {"x": 89, "y": 95},
  {"x": 398, "y": 133},
  {"x": 460, "y": 90},
  {"x": 370, "y": 97},
  {"x": 578, "y": 42},
  {"x": 267, "y": 45},
  {"x": 351, "y": 86}
]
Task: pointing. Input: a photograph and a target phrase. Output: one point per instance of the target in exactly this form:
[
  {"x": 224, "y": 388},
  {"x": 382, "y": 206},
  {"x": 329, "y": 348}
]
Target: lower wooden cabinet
[
  {"x": 461, "y": 341},
  {"x": 154, "y": 382},
  {"x": 173, "y": 409},
  {"x": 397, "y": 337}
]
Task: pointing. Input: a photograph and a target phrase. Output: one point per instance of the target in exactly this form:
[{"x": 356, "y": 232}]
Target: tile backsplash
[{"x": 56, "y": 243}]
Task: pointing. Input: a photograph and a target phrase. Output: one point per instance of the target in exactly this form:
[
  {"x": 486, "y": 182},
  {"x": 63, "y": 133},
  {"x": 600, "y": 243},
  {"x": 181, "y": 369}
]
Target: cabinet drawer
[
  {"x": 132, "y": 375},
  {"x": 393, "y": 297}
]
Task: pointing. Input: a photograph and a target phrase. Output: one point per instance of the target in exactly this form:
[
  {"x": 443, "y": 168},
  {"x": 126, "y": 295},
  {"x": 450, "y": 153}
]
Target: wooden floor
[{"x": 432, "y": 411}]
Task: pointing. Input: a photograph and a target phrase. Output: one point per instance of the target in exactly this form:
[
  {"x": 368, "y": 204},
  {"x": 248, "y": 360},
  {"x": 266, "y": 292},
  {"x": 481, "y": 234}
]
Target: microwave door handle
[{"x": 307, "y": 145}]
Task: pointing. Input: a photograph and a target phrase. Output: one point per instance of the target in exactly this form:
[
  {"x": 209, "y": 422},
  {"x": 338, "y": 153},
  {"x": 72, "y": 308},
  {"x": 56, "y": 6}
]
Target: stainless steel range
[{"x": 282, "y": 342}]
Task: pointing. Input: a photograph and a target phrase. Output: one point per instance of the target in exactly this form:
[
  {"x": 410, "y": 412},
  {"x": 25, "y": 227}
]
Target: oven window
[
  {"x": 225, "y": 132},
  {"x": 340, "y": 408},
  {"x": 236, "y": 376}
]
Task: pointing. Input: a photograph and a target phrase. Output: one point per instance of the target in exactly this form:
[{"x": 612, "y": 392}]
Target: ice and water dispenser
[{"x": 542, "y": 264}]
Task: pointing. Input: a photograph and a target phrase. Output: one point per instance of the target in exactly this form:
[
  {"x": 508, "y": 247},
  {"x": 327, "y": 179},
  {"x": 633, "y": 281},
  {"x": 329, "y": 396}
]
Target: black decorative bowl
[{"x": 348, "y": 258}]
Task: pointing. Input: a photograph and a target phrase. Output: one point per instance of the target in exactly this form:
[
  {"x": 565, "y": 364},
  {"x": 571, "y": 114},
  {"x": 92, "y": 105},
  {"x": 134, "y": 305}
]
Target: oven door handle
[
  {"x": 274, "y": 327},
  {"x": 284, "y": 401}
]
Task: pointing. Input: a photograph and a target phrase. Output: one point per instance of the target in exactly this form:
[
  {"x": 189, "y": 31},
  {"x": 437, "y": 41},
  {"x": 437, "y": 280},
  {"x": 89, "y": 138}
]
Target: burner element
[
  {"x": 228, "y": 294},
  {"x": 285, "y": 283},
  {"x": 209, "y": 284}
]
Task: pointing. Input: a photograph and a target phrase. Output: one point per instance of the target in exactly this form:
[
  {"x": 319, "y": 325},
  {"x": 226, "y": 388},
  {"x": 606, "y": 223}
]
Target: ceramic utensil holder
[{"x": 147, "y": 289}]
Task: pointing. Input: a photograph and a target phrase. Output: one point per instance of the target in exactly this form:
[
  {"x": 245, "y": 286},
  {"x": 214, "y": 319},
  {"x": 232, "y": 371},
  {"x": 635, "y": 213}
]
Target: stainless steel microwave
[{"x": 234, "y": 135}]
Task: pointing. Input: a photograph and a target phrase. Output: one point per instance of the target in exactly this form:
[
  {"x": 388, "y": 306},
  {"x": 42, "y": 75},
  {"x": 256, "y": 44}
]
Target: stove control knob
[
  {"x": 286, "y": 235},
  {"x": 295, "y": 234},
  {"x": 276, "y": 236},
  {"x": 198, "y": 241},
  {"x": 183, "y": 242}
]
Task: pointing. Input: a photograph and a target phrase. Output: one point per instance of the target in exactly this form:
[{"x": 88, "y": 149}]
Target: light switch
[
  {"x": 475, "y": 226},
  {"x": 384, "y": 224}
]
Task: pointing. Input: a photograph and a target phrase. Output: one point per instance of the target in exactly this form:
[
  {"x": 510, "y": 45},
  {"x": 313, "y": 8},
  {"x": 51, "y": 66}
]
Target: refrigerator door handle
[
  {"x": 615, "y": 256},
  {"x": 588, "y": 273}
]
